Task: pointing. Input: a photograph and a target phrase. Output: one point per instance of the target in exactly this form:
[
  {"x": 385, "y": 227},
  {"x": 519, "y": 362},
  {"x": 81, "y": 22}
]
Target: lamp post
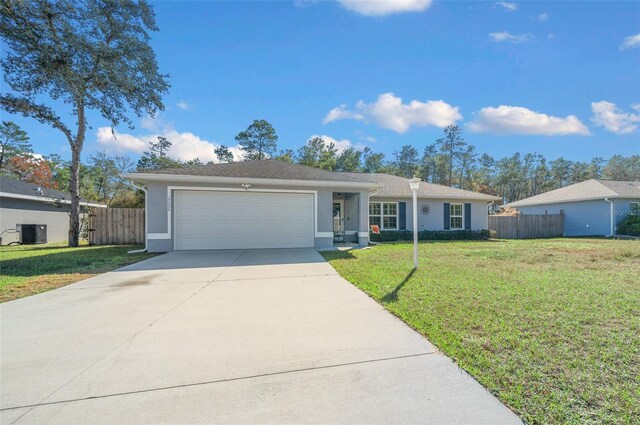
[{"x": 414, "y": 184}]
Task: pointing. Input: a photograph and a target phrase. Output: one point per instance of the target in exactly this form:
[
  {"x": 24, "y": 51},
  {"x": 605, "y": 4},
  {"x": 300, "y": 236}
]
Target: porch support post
[{"x": 363, "y": 224}]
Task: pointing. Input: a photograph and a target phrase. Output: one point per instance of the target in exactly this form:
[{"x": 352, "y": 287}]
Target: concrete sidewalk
[{"x": 257, "y": 336}]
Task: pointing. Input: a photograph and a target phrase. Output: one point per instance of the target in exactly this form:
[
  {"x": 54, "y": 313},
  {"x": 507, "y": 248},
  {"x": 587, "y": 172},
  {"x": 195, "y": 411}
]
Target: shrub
[
  {"x": 630, "y": 225},
  {"x": 430, "y": 235}
]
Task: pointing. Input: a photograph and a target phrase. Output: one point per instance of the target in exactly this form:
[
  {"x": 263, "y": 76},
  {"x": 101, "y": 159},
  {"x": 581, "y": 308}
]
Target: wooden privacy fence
[
  {"x": 116, "y": 226},
  {"x": 524, "y": 226}
]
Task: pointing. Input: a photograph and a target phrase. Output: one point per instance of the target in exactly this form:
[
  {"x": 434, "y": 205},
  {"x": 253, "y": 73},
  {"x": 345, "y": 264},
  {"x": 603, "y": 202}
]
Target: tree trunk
[
  {"x": 74, "y": 181},
  {"x": 450, "y": 163},
  {"x": 74, "y": 189}
]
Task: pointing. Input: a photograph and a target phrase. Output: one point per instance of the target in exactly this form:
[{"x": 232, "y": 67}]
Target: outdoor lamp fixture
[
  {"x": 246, "y": 186},
  {"x": 414, "y": 184}
]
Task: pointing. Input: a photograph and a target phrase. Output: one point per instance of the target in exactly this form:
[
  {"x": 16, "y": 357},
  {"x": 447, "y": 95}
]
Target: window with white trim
[
  {"x": 375, "y": 215},
  {"x": 634, "y": 208},
  {"x": 456, "y": 218},
  {"x": 384, "y": 214}
]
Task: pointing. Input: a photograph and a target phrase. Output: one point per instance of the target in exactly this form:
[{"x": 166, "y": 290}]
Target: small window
[
  {"x": 634, "y": 208},
  {"x": 390, "y": 209},
  {"x": 456, "y": 218},
  {"x": 374, "y": 209},
  {"x": 390, "y": 222}
]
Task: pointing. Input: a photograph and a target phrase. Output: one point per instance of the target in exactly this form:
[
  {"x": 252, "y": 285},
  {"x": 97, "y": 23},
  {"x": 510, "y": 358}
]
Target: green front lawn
[
  {"x": 31, "y": 269},
  {"x": 552, "y": 327}
]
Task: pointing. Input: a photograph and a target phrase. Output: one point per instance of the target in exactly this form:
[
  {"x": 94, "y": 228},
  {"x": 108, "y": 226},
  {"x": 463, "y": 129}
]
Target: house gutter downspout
[
  {"x": 146, "y": 211},
  {"x": 371, "y": 193},
  {"x": 612, "y": 217}
]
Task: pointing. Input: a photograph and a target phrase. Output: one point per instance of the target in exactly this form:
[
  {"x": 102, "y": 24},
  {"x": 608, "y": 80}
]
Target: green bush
[
  {"x": 430, "y": 235},
  {"x": 630, "y": 226}
]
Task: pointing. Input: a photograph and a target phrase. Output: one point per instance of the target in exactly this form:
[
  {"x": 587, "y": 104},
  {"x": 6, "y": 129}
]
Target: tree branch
[{"x": 26, "y": 107}]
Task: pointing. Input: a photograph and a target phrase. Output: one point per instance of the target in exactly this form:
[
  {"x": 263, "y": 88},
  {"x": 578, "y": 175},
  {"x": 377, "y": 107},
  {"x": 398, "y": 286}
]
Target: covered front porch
[{"x": 350, "y": 218}]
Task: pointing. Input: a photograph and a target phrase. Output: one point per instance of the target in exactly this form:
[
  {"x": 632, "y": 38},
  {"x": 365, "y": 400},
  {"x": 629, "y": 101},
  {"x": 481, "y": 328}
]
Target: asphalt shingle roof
[
  {"x": 588, "y": 189},
  {"x": 11, "y": 185},
  {"x": 265, "y": 169},
  {"x": 394, "y": 185}
]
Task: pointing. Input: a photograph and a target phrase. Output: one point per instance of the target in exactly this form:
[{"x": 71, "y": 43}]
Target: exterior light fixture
[
  {"x": 246, "y": 186},
  {"x": 414, "y": 184}
]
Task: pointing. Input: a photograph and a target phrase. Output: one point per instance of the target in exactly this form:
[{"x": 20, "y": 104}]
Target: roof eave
[
  {"x": 182, "y": 178},
  {"x": 533, "y": 204},
  {"x": 47, "y": 199}
]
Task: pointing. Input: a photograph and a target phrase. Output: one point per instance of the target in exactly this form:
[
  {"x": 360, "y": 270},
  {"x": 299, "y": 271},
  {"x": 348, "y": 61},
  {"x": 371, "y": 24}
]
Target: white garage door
[{"x": 242, "y": 220}]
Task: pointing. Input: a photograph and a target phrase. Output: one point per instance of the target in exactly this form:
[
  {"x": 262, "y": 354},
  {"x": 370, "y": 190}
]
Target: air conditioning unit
[{"x": 32, "y": 233}]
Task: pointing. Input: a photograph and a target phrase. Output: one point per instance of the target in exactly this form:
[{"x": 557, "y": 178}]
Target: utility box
[{"x": 32, "y": 233}]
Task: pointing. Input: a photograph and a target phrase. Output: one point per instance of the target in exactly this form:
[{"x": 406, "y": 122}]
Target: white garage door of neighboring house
[{"x": 242, "y": 220}]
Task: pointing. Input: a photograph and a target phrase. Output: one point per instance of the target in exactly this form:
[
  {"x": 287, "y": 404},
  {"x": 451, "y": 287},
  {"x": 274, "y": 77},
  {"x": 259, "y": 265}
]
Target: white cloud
[
  {"x": 543, "y": 17},
  {"x": 384, "y": 7},
  {"x": 183, "y": 105},
  {"x": 122, "y": 142},
  {"x": 389, "y": 112},
  {"x": 184, "y": 146},
  {"x": 614, "y": 119},
  {"x": 342, "y": 113},
  {"x": 518, "y": 120},
  {"x": 506, "y": 36},
  {"x": 508, "y": 6},
  {"x": 633, "y": 41}
]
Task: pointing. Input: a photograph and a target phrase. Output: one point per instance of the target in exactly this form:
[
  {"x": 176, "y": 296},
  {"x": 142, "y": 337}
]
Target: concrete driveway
[{"x": 257, "y": 336}]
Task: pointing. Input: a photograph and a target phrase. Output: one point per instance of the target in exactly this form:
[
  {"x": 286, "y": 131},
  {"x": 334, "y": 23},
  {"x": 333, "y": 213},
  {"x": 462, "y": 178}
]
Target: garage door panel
[{"x": 242, "y": 220}]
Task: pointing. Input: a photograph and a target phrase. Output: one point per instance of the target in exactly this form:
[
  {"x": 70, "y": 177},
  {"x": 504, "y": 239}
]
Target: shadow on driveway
[{"x": 227, "y": 258}]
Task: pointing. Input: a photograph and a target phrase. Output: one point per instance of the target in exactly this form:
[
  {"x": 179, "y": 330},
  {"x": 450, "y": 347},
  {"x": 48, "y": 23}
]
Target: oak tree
[{"x": 90, "y": 55}]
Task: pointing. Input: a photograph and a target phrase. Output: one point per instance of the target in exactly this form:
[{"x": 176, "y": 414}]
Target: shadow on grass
[
  {"x": 75, "y": 260},
  {"x": 438, "y": 241},
  {"x": 338, "y": 255},
  {"x": 392, "y": 296}
]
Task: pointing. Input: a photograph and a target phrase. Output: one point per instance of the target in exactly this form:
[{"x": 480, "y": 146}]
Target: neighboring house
[
  {"x": 274, "y": 204},
  {"x": 591, "y": 208},
  {"x": 31, "y": 214}
]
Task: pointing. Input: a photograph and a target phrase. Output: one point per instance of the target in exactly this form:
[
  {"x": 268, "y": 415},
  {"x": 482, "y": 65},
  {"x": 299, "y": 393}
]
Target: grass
[
  {"x": 30, "y": 269},
  {"x": 552, "y": 327}
]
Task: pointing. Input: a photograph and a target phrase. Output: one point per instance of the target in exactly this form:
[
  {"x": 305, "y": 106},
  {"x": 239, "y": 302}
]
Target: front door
[{"x": 338, "y": 219}]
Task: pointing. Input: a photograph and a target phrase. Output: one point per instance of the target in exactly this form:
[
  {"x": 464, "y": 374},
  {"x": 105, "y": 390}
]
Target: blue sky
[{"x": 559, "y": 78}]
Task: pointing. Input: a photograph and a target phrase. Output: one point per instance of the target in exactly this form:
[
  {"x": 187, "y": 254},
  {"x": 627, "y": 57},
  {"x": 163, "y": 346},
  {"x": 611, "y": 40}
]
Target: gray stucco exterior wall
[
  {"x": 435, "y": 219},
  {"x": 585, "y": 218},
  {"x": 158, "y": 205},
  {"x": 23, "y": 211}
]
